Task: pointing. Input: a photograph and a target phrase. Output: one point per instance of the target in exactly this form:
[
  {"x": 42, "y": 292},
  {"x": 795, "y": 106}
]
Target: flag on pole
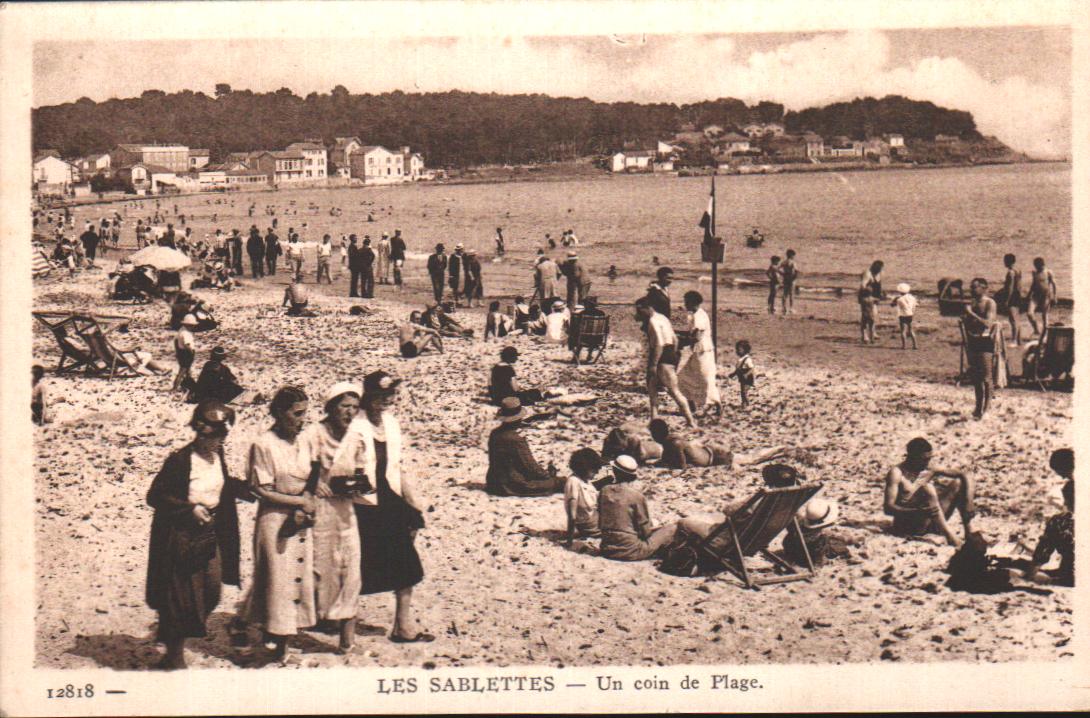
[{"x": 707, "y": 222}]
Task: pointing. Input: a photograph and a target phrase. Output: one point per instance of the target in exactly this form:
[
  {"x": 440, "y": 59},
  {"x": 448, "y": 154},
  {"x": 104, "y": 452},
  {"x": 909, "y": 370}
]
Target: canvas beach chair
[
  {"x": 751, "y": 528},
  {"x": 119, "y": 362},
  {"x": 592, "y": 334},
  {"x": 63, "y": 326}
]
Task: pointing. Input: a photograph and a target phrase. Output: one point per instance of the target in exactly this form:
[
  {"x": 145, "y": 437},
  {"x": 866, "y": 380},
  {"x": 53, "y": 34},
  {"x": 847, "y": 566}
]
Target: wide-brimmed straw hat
[
  {"x": 559, "y": 303},
  {"x": 471, "y": 252},
  {"x": 511, "y": 409},
  {"x": 625, "y": 464},
  {"x": 219, "y": 353},
  {"x": 459, "y": 246},
  {"x": 904, "y": 288},
  {"x": 342, "y": 387},
  {"x": 189, "y": 321},
  {"x": 572, "y": 254},
  {"x": 819, "y": 514}
]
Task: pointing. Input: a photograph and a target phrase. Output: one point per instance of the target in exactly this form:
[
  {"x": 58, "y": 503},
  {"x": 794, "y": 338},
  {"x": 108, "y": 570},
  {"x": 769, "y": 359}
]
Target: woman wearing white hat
[
  {"x": 336, "y": 534},
  {"x": 906, "y": 308}
]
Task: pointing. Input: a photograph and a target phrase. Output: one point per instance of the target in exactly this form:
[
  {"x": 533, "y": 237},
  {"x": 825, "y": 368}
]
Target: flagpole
[{"x": 715, "y": 281}]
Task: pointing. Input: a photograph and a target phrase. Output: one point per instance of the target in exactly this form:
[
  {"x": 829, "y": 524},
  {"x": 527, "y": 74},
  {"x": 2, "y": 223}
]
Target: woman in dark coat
[{"x": 194, "y": 543}]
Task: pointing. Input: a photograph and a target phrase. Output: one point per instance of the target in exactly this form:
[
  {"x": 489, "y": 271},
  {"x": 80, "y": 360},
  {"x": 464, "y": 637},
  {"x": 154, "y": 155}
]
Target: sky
[{"x": 1015, "y": 80}]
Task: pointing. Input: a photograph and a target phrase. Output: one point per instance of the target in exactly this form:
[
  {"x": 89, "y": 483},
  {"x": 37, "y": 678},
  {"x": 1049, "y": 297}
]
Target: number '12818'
[{"x": 71, "y": 691}]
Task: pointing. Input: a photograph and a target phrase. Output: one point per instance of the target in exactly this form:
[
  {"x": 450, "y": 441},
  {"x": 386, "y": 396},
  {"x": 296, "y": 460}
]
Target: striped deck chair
[
  {"x": 120, "y": 362},
  {"x": 65, "y": 326},
  {"x": 752, "y": 527}
]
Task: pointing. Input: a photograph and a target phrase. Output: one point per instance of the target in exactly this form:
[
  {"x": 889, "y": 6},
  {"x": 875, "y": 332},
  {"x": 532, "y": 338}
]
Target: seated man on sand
[
  {"x": 919, "y": 503},
  {"x": 624, "y": 521},
  {"x": 435, "y": 318},
  {"x": 298, "y": 296},
  {"x": 677, "y": 453},
  {"x": 512, "y": 468},
  {"x": 415, "y": 339}
]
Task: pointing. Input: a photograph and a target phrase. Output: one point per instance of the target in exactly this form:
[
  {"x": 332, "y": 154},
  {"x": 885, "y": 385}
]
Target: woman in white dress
[
  {"x": 336, "y": 535},
  {"x": 696, "y": 370},
  {"x": 282, "y": 596}
]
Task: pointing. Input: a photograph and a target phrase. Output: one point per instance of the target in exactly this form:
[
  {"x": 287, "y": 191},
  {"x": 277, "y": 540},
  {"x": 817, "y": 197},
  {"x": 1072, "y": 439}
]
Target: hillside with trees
[{"x": 456, "y": 129}]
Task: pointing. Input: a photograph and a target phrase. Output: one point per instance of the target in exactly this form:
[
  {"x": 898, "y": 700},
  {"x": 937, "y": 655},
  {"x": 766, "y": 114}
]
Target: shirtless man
[
  {"x": 789, "y": 271},
  {"x": 1042, "y": 295},
  {"x": 919, "y": 503},
  {"x": 661, "y": 359},
  {"x": 1015, "y": 301},
  {"x": 415, "y": 339},
  {"x": 677, "y": 453},
  {"x": 979, "y": 321}
]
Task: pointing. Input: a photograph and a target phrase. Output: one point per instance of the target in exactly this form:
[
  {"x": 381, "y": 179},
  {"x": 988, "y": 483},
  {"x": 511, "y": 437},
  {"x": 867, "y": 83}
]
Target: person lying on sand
[
  {"x": 512, "y": 468},
  {"x": 437, "y": 319},
  {"x": 921, "y": 504},
  {"x": 628, "y": 439},
  {"x": 1059, "y": 533},
  {"x": 503, "y": 384},
  {"x": 414, "y": 339},
  {"x": 677, "y": 453}
]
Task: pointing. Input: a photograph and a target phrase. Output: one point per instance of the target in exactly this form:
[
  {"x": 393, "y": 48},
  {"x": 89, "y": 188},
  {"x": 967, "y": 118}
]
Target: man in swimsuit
[
  {"x": 1042, "y": 294},
  {"x": 919, "y": 503},
  {"x": 677, "y": 453},
  {"x": 662, "y": 356},
  {"x": 1014, "y": 301},
  {"x": 415, "y": 339},
  {"x": 979, "y": 343},
  {"x": 774, "y": 278},
  {"x": 790, "y": 272}
]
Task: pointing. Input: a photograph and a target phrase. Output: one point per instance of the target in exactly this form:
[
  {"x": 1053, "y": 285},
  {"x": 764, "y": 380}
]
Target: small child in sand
[
  {"x": 743, "y": 370},
  {"x": 906, "y": 308},
  {"x": 581, "y": 494}
]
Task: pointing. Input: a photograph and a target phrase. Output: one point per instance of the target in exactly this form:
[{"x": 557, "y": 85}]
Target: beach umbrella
[{"x": 163, "y": 258}]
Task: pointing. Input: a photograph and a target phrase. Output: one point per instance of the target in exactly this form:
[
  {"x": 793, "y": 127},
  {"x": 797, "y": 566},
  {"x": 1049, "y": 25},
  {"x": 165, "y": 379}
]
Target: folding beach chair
[
  {"x": 120, "y": 362},
  {"x": 64, "y": 325},
  {"x": 592, "y": 334},
  {"x": 750, "y": 530},
  {"x": 1052, "y": 358}
]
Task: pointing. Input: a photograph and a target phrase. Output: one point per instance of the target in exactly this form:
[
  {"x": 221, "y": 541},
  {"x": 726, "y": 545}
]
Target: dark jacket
[
  {"x": 473, "y": 270},
  {"x": 437, "y": 265},
  {"x": 272, "y": 245},
  {"x": 355, "y": 256},
  {"x": 512, "y": 468},
  {"x": 89, "y": 239},
  {"x": 367, "y": 258},
  {"x": 217, "y": 381},
  {"x": 397, "y": 249},
  {"x": 169, "y": 497},
  {"x": 255, "y": 245},
  {"x": 455, "y": 268}
]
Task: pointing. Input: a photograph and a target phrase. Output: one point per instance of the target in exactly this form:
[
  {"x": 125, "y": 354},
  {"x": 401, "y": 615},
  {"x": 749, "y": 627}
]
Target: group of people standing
[
  {"x": 461, "y": 271},
  {"x": 336, "y": 519}
]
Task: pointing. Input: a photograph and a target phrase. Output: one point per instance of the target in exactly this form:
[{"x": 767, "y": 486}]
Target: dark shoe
[{"x": 418, "y": 638}]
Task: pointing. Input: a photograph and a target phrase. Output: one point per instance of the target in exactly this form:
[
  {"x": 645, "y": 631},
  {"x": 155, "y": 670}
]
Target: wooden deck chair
[
  {"x": 63, "y": 325},
  {"x": 591, "y": 333},
  {"x": 1053, "y": 357},
  {"x": 119, "y": 362},
  {"x": 750, "y": 530}
]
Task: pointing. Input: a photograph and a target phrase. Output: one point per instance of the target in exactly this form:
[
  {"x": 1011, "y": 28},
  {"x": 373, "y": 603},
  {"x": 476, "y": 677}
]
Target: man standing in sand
[
  {"x": 578, "y": 282},
  {"x": 397, "y": 255},
  {"x": 1013, "y": 299},
  {"x": 454, "y": 267},
  {"x": 979, "y": 323},
  {"x": 325, "y": 257},
  {"x": 1042, "y": 295},
  {"x": 662, "y": 356},
  {"x": 355, "y": 266},
  {"x": 437, "y": 269},
  {"x": 789, "y": 271},
  {"x": 255, "y": 247},
  {"x": 658, "y": 292},
  {"x": 272, "y": 251},
  {"x": 367, "y": 269},
  {"x": 919, "y": 503},
  {"x": 547, "y": 275}
]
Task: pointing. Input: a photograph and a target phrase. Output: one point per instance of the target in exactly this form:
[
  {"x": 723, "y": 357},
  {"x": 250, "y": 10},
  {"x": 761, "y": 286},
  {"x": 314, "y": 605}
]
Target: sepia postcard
[{"x": 478, "y": 357}]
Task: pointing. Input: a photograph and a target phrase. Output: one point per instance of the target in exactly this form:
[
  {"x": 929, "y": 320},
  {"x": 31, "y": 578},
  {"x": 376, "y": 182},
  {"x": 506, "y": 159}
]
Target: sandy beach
[{"x": 500, "y": 588}]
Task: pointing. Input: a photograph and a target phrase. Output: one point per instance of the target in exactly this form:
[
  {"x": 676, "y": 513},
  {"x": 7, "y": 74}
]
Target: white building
[
  {"x": 340, "y": 154},
  {"x": 198, "y": 159},
  {"x": 632, "y": 161},
  {"x": 315, "y": 166},
  {"x": 413, "y": 163},
  {"x": 53, "y": 171},
  {"x": 375, "y": 164},
  {"x": 94, "y": 164}
]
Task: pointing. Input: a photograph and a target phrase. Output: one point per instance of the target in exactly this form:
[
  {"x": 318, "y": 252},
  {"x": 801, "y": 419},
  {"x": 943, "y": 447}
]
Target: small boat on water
[{"x": 755, "y": 239}]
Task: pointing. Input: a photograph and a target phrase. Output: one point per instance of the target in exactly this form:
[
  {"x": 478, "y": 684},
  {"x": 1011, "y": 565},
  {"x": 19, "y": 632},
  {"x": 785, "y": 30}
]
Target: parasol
[{"x": 163, "y": 258}]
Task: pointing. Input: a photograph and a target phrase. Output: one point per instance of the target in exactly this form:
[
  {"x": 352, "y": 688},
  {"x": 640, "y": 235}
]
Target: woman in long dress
[
  {"x": 282, "y": 595},
  {"x": 194, "y": 544},
  {"x": 696, "y": 374},
  {"x": 390, "y": 517},
  {"x": 336, "y": 534}
]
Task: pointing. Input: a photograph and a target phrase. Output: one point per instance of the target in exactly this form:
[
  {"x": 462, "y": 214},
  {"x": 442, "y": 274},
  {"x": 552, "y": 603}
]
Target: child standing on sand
[
  {"x": 906, "y": 308},
  {"x": 743, "y": 370}
]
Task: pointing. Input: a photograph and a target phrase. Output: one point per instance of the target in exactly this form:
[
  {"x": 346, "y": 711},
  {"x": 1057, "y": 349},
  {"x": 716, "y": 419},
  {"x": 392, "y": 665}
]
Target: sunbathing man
[
  {"x": 415, "y": 339},
  {"x": 677, "y": 453},
  {"x": 299, "y": 296},
  {"x": 446, "y": 325},
  {"x": 919, "y": 503},
  {"x": 628, "y": 439}
]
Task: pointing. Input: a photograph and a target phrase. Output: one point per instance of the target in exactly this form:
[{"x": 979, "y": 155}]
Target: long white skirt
[{"x": 696, "y": 378}]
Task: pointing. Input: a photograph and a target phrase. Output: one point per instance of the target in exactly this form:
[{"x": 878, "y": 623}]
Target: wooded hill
[{"x": 456, "y": 129}]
